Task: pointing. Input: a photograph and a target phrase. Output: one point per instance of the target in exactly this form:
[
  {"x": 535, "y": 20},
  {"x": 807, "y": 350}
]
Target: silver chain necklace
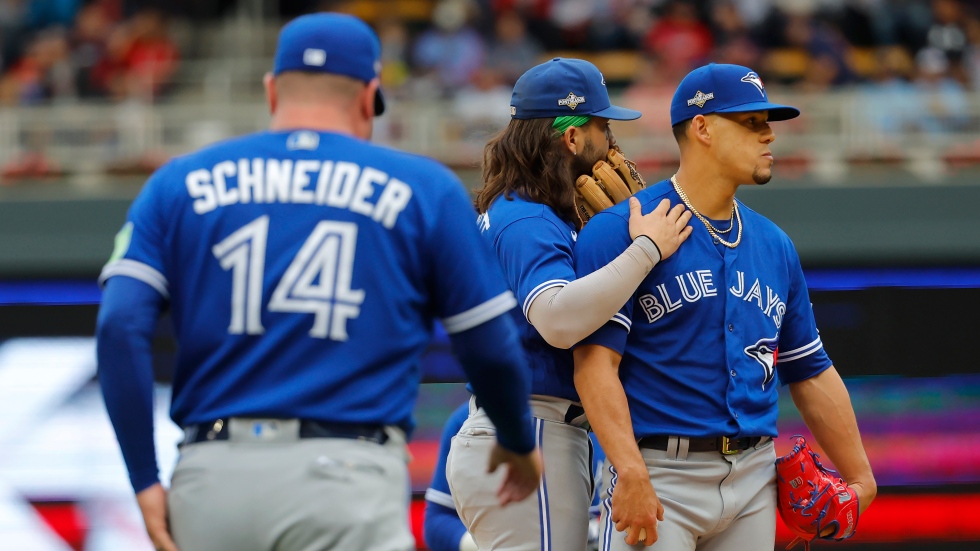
[{"x": 715, "y": 232}]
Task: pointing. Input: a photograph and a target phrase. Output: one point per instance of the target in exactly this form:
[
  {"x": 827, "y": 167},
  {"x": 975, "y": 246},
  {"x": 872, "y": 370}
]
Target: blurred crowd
[
  {"x": 56, "y": 49},
  {"x": 64, "y": 50},
  {"x": 811, "y": 45},
  {"x": 913, "y": 66},
  {"x": 912, "y": 63}
]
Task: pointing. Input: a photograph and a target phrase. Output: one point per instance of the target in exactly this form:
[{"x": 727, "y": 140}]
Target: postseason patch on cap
[
  {"x": 571, "y": 101},
  {"x": 700, "y": 98}
]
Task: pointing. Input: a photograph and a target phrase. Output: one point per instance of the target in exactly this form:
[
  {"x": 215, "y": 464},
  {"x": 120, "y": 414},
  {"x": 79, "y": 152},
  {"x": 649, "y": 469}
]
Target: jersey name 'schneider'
[
  {"x": 713, "y": 329},
  {"x": 304, "y": 272}
]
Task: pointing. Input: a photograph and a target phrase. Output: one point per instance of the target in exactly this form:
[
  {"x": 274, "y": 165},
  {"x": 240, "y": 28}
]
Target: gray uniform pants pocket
[
  {"x": 712, "y": 502},
  {"x": 555, "y": 518}
]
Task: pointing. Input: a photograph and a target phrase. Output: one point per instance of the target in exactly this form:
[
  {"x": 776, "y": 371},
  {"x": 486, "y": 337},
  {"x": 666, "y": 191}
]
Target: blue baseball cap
[
  {"x": 722, "y": 88},
  {"x": 562, "y": 87},
  {"x": 334, "y": 43}
]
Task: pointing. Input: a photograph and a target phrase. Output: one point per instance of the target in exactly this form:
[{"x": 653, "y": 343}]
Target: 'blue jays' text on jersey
[
  {"x": 304, "y": 271},
  {"x": 534, "y": 247},
  {"x": 704, "y": 330}
]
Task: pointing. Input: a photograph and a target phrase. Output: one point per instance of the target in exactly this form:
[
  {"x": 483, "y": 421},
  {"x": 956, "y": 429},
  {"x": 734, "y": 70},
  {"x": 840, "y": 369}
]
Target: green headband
[{"x": 562, "y": 124}]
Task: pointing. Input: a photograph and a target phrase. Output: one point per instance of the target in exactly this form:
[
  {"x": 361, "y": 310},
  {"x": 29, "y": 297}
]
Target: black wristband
[{"x": 659, "y": 252}]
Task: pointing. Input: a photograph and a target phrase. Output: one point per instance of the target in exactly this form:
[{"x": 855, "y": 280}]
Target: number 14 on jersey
[{"x": 317, "y": 281}]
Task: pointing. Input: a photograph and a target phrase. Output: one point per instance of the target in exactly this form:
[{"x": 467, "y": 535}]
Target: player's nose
[{"x": 768, "y": 136}]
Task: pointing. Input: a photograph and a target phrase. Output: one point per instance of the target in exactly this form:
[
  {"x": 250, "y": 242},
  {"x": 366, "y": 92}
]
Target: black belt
[
  {"x": 573, "y": 412},
  {"x": 721, "y": 444},
  {"x": 308, "y": 428}
]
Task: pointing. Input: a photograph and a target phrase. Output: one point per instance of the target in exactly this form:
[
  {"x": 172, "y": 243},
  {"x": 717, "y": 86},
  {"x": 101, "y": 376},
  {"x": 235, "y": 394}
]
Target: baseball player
[
  {"x": 442, "y": 528},
  {"x": 303, "y": 268},
  {"x": 680, "y": 386},
  {"x": 560, "y": 128}
]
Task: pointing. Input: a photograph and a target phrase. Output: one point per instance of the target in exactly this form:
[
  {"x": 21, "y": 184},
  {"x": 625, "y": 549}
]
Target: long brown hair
[{"x": 526, "y": 158}]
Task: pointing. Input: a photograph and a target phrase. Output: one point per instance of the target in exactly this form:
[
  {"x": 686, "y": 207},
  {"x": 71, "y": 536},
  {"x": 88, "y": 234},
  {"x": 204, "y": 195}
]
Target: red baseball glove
[{"x": 812, "y": 499}]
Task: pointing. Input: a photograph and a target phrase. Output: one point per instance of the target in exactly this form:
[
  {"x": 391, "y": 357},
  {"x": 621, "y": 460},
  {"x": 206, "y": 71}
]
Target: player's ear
[
  {"x": 271, "y": 99},
  {"x": 366, "y": 100},
  {"x": 700, "y": 130},
  {"x": 571, "y": 138}
]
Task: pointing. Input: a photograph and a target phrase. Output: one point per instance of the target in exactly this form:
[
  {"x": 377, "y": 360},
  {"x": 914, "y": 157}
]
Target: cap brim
[
  {"x": 776, "y": 112},
  {"x": 617, "y": 113},
  {"x": 379, "y": 103}
]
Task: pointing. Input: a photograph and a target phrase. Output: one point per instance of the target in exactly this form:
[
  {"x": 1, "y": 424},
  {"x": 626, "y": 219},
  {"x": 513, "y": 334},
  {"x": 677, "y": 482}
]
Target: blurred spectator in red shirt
[
  {"x": 679, "y": 38},
  {"x": 141, "y": 57}
]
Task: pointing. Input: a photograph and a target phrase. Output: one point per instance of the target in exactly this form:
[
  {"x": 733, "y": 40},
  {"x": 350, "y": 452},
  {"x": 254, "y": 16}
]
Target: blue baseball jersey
[
  {"x": 711, "y": 331},
  {"x": 304, "y": 271},
  {"x": 534, "y": 247}
]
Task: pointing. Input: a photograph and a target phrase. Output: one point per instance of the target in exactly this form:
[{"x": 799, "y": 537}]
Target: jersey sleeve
[
  {"x": 801, "y": 354},
  {"x": 535, "y": 254},
  {"x": 604, "y": 238},
  {"x": 467, "y": 286},
  {"x": 140, "y": 246}
]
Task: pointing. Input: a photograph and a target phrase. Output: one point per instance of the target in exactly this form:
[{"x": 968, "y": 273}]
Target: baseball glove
[
  {"x": 812, "y": 498},
  {"x": 611, "y": 181}
]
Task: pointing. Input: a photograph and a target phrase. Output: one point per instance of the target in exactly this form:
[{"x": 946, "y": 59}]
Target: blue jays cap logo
[
  {"x": 764, "y": 352},
  {"x": 700, "y": 98},
  {"x": 753, "y": 79},
  {"x": 571, "y": 101}
]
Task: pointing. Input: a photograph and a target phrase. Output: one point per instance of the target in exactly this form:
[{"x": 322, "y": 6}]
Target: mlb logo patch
[
  {"x": 304, "y": 140},
  {"x": 314, "y": 57}
]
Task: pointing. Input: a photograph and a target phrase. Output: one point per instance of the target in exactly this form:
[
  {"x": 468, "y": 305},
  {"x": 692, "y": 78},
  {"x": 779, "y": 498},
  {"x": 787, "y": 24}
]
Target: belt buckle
[{"x": 725, "y": 450}]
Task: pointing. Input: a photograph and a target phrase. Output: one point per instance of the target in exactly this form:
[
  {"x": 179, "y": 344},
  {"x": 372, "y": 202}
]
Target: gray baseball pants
[
  {"x": 556, "y": 517},
  {"x": 712, "y": 502},
  {"x": 281, "y": 493}
]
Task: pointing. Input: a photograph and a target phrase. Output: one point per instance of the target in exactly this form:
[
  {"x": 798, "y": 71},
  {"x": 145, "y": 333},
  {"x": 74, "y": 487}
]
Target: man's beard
[
  {"x": 584, "y": 161},
  {"x": 760, "y": 177}
]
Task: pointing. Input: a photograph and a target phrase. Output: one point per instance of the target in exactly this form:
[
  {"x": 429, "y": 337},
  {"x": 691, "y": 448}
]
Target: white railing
[{"x": 837, "y": 131}]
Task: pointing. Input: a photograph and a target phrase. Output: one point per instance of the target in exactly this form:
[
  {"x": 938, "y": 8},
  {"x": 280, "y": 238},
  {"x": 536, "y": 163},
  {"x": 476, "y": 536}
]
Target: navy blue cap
[
  {"x": 562, "y": 87},
  {"x": 720, "y": 88},
  {"x": 331, "y": 43}
]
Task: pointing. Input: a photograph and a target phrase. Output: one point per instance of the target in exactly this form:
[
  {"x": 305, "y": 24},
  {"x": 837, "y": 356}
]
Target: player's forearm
[
  {"x": 126, "y": 322},
  {"x": 442, "y": 529},
  {"x": 565, "y": 315},
  {"x": 599, "y": 388},
  {"x": 826, "y": 409},
  {"x": 492, "y": 357}
]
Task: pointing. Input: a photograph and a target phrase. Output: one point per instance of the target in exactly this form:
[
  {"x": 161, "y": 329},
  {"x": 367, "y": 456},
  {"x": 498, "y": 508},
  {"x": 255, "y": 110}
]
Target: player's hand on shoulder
[
  {"x": 636, "y": 509},
  {"x": 523, "y": 473},
  {"x": 667, "y": 227}
]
